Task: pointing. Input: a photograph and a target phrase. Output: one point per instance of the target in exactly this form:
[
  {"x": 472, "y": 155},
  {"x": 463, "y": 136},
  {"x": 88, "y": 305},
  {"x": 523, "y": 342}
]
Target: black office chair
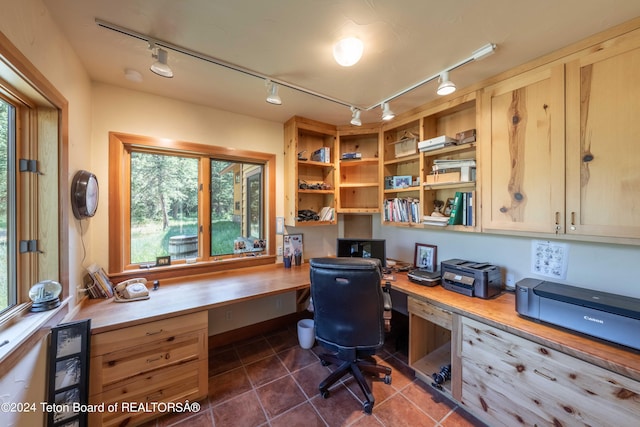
[{"x": 349, "y": 303}]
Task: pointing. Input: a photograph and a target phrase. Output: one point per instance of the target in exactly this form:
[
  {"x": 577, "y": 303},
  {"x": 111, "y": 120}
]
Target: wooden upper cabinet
[
  {"x": 603, "y": 140},
  {"x": 522, "y": 123}
]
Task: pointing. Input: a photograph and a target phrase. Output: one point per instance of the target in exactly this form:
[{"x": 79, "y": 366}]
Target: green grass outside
[{"x": 150, "y": 241}]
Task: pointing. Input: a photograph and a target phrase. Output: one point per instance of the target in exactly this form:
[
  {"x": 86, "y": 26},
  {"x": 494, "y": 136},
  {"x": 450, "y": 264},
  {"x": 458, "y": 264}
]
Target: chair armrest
[{"x": 386, "y": 297}]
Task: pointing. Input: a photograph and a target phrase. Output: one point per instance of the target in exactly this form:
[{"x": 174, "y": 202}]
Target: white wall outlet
[{"x": 279, "y": 250}]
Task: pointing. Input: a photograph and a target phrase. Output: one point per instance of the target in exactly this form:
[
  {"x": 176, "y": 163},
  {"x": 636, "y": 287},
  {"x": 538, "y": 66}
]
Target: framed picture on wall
[
  {"x": 426, "y": 257},
  {"x": 68, "y": 374}
]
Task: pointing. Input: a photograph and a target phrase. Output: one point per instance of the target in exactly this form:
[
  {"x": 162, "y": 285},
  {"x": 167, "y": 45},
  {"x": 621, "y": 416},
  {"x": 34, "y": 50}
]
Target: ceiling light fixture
[
  {"x": 477, "y": 55},
  {"x": 272, "y": 93},
  {"x": 160, "y": 67},
  {"x": 348, "y": 51},
  {"x": 446, "y": 86},
  {"x": 355, "y": 117},
  {"x": 387, "y": 114},
  {"x": 132, "y": 75}
]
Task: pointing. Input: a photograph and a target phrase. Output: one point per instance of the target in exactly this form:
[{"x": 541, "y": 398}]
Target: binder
[{"x": 456, "y": 212}]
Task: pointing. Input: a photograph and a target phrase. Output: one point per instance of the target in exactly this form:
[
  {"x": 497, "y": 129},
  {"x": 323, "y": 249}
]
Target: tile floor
[{"x": 270, "y": 380}]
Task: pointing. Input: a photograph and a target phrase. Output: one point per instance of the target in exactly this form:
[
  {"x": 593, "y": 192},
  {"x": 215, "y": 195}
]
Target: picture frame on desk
[{"x": 426, "y": 257}]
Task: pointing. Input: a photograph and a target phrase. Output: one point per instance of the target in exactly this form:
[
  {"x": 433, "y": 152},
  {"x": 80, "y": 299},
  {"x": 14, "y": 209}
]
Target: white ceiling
[{"x": 406, "y": 41}]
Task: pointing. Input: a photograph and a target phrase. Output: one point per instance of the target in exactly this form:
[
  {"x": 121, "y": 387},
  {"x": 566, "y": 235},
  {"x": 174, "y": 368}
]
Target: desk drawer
[
  {"x": 175, "y": 384},
  {"x": 159, "y": 330},
  {"x": 430, "y": 312}
]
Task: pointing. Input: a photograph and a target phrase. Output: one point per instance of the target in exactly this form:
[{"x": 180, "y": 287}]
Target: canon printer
[
  {"x": 474, "y": 279},
  {"x": 603, "y": 315}
]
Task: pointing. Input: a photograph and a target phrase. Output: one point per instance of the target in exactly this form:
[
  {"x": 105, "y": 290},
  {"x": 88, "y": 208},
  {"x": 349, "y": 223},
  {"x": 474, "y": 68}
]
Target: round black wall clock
[{"x": 84, "y": 194}]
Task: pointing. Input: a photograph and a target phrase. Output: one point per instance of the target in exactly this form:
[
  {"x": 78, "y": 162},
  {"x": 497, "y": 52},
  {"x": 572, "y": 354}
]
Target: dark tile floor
[{"x": 270, "y": 380}]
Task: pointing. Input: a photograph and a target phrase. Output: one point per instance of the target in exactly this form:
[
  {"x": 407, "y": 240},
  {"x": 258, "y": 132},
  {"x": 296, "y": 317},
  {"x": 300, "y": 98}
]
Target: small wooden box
[
  {"x": 406, "y": 147},
  {"x": 442, "y": 178}
]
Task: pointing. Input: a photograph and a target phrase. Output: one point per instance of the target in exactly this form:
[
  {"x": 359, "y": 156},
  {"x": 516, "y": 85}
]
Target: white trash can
[{"x": 306, "y": 333}]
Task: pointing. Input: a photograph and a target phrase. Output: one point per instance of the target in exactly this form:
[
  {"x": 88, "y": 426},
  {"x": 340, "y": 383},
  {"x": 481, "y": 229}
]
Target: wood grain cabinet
[
  {"x": 523, "y": 161},
  {"x": 508, "y": 380},
  {"x": 603, "y": 140},
  {"x": 585, "y": 185},
  {"x": 148, "y": 364}
]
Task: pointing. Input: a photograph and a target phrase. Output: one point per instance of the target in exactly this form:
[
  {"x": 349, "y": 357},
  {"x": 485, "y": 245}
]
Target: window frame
[
  {"x": 43, "y": 131},
  {"x": 120, "y": 147}
]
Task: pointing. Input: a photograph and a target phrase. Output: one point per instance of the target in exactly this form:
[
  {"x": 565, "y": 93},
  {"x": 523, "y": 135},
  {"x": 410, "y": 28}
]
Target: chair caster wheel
[
  {"x": 387, "y": 379},
  {"x": 324, "y": 394},
  {"x": 324, "y": 363},
  {"x": 368, "y": 408}
]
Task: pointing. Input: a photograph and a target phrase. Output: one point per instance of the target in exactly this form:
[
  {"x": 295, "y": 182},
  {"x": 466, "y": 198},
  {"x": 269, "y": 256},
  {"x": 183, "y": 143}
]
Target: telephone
[{"x": 131, "y": 290}]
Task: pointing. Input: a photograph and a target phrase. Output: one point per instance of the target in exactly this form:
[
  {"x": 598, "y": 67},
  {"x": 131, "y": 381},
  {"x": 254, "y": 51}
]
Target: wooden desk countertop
[
  {"x": 192, "y": 294},
  {"x": 500, "y": 312},
  {"x": 195, "y": 293}
]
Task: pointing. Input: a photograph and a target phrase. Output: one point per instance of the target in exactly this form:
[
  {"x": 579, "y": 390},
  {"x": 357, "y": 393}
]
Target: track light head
[
  {"x": 446, "y": 86},
  {"x": 387, "y": 114},
  {"x": 272, "y": 93},
  {"x": 160, "y": 67},
  {"x": 355, "y": 117}
]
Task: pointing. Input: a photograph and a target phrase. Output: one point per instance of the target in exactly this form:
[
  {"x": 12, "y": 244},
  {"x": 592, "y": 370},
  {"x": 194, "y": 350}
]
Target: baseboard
[{"x": 230, "y": 337}]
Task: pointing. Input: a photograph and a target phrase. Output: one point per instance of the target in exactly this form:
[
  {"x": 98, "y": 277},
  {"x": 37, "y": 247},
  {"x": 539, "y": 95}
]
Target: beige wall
[{"x": 29, "y": 27}]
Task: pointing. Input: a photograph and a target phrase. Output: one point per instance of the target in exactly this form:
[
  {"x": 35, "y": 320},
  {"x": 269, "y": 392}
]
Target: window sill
[
  {"x": 22, "y": 333},
  {"x": 178, "y": 270}
]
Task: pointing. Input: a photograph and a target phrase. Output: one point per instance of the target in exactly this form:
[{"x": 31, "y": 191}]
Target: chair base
[{"x": 356, "y": 368}]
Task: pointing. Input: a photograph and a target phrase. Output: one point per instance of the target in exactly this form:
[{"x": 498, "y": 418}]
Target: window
[
  {"x": 8, "y": 289},
  {"x": 197, "y": 204}
]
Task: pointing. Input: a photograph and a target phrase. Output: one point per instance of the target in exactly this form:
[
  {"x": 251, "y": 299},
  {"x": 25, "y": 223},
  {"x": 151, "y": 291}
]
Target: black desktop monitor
[{"x": 362, "y": 248}]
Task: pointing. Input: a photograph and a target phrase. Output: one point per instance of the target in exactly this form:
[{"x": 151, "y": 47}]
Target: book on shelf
[
  {"x": 404, "y": 209},
  {"x": 440, "y": 221},
  {"x": 455, "y": 217},
  {"x": 101, "y": 283},
  {"x": 462, "y": 209}
]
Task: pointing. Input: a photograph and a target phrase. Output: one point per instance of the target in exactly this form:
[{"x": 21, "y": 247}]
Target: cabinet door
[
  {"x": 522, "y": 123},
  {"x": 603, "y": 147},
  {"x": 508, "y": 380}
]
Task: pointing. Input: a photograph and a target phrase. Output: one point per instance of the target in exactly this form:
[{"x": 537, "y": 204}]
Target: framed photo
[
  {"x": 426, "y": 257},
  {"x": 293, "y": 247},
  {"x": 68, "y": 374}
]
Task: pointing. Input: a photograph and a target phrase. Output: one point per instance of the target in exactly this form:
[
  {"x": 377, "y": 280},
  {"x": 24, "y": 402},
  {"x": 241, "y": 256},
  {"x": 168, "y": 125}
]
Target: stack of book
[
  {"x": 402, "y": 210},
  {"x": 462, "y": 209},
  {"x": 439, "y": 221},
  {"x": 100, "y": 287}
]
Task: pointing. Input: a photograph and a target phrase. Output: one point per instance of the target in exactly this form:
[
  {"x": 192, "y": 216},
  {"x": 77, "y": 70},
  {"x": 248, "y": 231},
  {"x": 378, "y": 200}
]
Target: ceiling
[{"x": 406, "y": 41}]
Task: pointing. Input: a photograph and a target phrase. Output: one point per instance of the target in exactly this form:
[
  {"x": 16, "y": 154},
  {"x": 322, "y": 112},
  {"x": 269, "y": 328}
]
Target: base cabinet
[
  {"x": 138, "y": 370},
  {"x": 508, "y": 380}
]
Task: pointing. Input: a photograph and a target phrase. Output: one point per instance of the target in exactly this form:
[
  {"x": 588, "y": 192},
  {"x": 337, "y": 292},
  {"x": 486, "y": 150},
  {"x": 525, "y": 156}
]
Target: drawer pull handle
[
  {"x": 543, "y": 375},
  {"x": 162, "y": 356},
  {"x": 155, "y": 333}
]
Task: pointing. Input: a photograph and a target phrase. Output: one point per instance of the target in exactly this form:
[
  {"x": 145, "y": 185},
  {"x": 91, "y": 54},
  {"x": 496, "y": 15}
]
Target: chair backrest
[{"x": 348, "y": 302}]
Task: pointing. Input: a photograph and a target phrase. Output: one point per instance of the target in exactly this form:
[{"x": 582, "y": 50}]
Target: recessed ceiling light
[{"x": 348, "y": 51}]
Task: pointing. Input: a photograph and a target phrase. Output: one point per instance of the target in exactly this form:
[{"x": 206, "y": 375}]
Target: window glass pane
[
  {"x": 7, "y": 204},
  {"x": 164, "y": 207},
  {"x": 236, "y": 207}
]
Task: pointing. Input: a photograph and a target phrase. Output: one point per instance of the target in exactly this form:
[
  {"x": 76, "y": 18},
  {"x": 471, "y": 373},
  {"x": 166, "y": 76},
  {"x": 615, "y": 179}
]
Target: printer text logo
[{"x": 593, "y": 319}]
